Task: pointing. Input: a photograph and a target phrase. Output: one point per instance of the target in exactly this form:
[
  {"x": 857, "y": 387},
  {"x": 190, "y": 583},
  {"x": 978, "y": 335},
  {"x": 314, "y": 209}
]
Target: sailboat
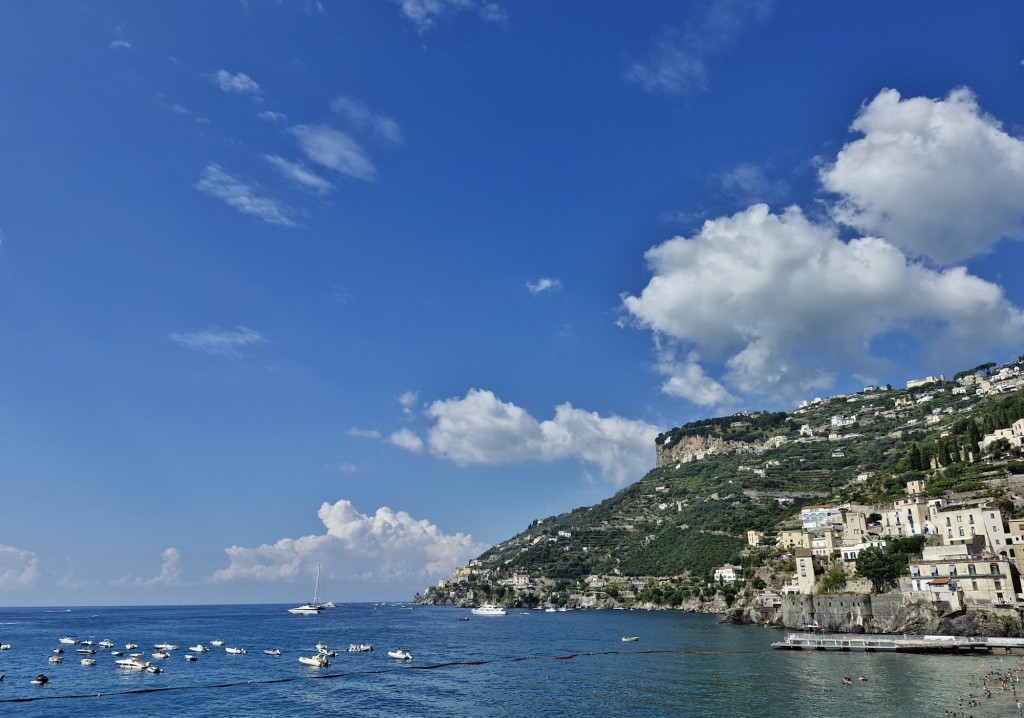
[{"x": 311, "y": 609}]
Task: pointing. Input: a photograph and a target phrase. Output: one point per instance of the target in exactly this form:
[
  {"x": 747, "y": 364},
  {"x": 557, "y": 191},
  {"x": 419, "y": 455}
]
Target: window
[
  {"x": 974, "y": 584},
  {"x": 961, "y": 530},
  {"x": 999, "y": 584},
  {"x": 970, "y": 518},
  {"x": 971, "y": 569},
  {"x": 934, "y": 570},
  {"x": 993, "y": 568},
  {"x": 952, "y": 570}
]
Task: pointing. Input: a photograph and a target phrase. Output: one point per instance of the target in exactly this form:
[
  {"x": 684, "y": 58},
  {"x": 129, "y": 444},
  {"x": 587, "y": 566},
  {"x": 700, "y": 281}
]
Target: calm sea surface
[{"x": 523, "y": 664}]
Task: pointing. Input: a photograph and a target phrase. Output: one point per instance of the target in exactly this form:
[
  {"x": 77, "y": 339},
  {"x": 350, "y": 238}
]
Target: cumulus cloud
[
  {"x": 388, "y": 546},
  {"x": 170, "y": 572},
  {"x": 18, "y": 568},
  {"x": 237, "y": 84},
  {"x": 937, "y": 178},
  {"x": 425, "y": 14},
  {"x": 406, "y": 439},
  {"x": 544, "y": 284},
  {"x": 678, "y": 63},
  {"x": 335, "y": 150},
  {"x": 218, "y": 342},
  {"x": 408, "y": 400},
  {"x": 771, "y": 300},
  {"x": 362, "y": 118},
  {"x": 300, "y": 175},
  {"x": 236, "y": 193},
  {"x": 481, "y": 429}
]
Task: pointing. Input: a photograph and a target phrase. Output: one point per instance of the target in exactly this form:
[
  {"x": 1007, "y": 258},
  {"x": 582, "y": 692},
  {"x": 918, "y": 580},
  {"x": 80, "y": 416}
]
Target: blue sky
[{"x": 374, "y": 284}]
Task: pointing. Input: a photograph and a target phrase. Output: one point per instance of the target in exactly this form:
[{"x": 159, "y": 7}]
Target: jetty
[{"x": 897, "y": 644}]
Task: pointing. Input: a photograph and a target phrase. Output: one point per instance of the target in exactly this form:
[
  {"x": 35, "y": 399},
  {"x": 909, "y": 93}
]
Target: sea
[{"x": 527, "y": 663}]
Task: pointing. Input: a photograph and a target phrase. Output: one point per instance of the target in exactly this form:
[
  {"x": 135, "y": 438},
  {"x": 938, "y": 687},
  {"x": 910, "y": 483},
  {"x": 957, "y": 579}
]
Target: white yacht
[
  {"x": 317, "y": 605},
  {"x": 489, "y": 609},
  {"x": 133, "y": 663}
]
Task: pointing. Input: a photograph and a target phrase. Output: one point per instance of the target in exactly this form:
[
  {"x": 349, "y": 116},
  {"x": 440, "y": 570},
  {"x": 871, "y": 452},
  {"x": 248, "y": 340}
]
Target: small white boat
[
  {"x": 630, "y": 639},
  {"x": 117, "y": 653},
  {"x": 131, "y": 646},
  {"x": 189, "y": 657},
  {"x": 154, "y": 669},
  {"x": 488, "y": 609},
  {"x": 272, "y": 651},
  {"x": 217, "y": 643},
  {"x": 165, "y": 647},
  {"x": 401, "y": 654},
  {"x": 67, "y": 641},
  {"x": 90, "y": 642},
  {"x": 40, "y": 680},
  {"x": 198, "y": 648},
  {"x": 88, "y": 661},
  {"x": 5, "y": 646},
  {"x": 235, "y": 651},
  {"x": 85, "y": 651},
  {"x": 106, "y": 643},
  {"x": 56, "y": 659},
  {"x": 58, "y": 650},
  {"x": 360, "y": 647},
  {"x": 161, "y": 654},
  {"x": 317, "y": 661},
  {"x": 317, "y": 605},
  {"x": 133, "y": 663}
]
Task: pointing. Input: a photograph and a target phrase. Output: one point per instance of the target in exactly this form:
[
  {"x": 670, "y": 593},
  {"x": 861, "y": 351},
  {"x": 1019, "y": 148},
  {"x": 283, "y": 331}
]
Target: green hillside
[{"x": 685, "y": 518}]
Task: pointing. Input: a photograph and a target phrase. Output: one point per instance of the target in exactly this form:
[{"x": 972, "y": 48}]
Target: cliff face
[{"x": 695, "y": 448}]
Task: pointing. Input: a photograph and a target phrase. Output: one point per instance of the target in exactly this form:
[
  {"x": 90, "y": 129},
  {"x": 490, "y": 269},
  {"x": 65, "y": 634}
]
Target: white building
[{"x": 728, "y": 573}]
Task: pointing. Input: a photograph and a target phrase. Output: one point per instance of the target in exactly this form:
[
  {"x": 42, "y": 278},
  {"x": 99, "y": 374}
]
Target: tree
[{"x": 881, "y": 569}]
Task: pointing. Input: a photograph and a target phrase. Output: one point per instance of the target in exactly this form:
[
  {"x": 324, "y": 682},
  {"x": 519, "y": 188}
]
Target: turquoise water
[{"x": 523, "y": 664}]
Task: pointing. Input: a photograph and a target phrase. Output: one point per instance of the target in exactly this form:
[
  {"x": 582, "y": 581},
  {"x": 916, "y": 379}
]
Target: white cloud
[
  {"x": 677, "y": 65},
  {"x": 936, "y": 178},
  {"x": 408, "y": 401},
  {"x": 361, "y": 118},
  {"x": 544, "y": 284},
  {"x": 300, "y": 174},
  {"x": 389, "y": 546},
  {"x": 119, "y": 45},
  {"x": 425, "y": 14},
  {"x": 170, "y": 573},
  {"x": 776, "y": 303},
  {"x": 334, "y": 150},
  {"x": 271, "y": 116},
  {"x": 481, "y": 429},
  {"x": 237, "y": 84},
  {"x": 364, "y": 433},
  {"x": 220, "y": 342},
  {"x": 406, "y": 439},
  {"x": 18, "y": 568},
  {"x": 236, "y": 193},
  {"x": 749, "y": 184}
]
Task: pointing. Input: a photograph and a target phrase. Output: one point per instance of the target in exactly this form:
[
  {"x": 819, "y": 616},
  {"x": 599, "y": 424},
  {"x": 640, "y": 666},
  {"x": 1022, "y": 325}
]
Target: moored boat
[
  {"x": 235, "y": 651},
  {"x": 132, "y": 663},
  {"x": 272, "y": 651},
  {"x": 67, "y": 640},
  {"x": 317, "y": 661},
  {"x": 88, "y": 661},
  {"x": 40, "y": 680},
  {"x": 198, "y": 648},
  {"x": 489, "y": 609},
  {"x": 630, "y": 639},
  {"x": 317, "y": 605},
  {"x": 360, "y": 647},
  {"x": 401, "y": 654}
]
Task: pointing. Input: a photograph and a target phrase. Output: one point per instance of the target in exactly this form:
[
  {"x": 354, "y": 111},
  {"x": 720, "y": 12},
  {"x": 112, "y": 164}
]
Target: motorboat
[
  {"x": 165, "y": 647},
  {"x": 132, "y": 663},
  {"x": 40, "y": 680},
  {"x": 106, "y": 643},
  {"x": 190, "y": 657},
  {"x": 161, "y": 654},
  {"x": 317, "y": 661},
  {"x": 154, "y": 669},
  {"x": 58, "y": 650},
  {"x": 235, "y": 651},
  {"x": 88, "y": 661},
  {"x": 56, "y": 659},
  {"x": 401, "y": 654},
  {"x": 317, "y": 605},
  {"x": 488, "y": 609},
  {"x": 117, "y": 653},
  {"x": 360, "y": 647},
  {"x": 89, "y": 642},
  {"x": 67, "y": 641},
  {"x": 130, "y": 646},
  {"x": 630, "y": 639},
  {"x": 85, "y": 651},
  {"x": 217, "y": 642},
  {"x": 272, "y": 651},
  {"x": 198, "y": 648}
]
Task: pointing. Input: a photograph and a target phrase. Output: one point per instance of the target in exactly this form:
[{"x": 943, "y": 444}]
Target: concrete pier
[{"x": 901, "y": 644}]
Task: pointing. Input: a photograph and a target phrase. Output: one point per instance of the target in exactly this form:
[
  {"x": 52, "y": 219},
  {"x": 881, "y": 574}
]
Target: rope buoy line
[{"x": 349, "y": 674}]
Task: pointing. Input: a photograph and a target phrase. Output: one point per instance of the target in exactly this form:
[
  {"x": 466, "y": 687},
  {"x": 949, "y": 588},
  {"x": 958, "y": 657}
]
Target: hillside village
[{"x": 886, "y": 510}]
